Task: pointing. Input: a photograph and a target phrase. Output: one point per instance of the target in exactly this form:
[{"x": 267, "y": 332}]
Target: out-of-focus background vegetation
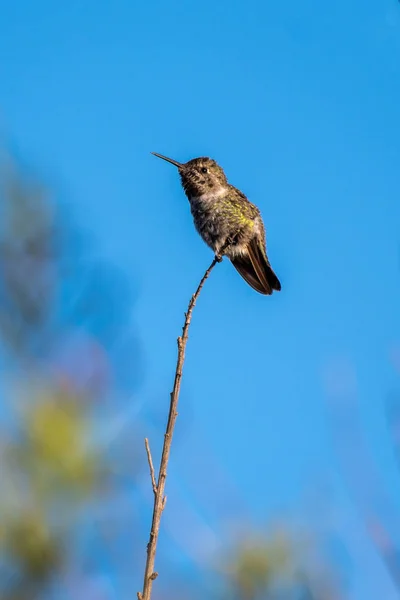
[{"x": 67, "y": 351}]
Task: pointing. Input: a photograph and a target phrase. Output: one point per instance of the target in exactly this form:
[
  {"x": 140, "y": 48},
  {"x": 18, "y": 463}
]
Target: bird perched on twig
[{"x": 227, "y": 221}]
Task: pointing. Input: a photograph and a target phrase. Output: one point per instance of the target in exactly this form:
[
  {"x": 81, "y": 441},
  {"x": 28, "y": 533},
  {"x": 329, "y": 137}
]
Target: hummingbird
[{"x": 227, "y": 221}]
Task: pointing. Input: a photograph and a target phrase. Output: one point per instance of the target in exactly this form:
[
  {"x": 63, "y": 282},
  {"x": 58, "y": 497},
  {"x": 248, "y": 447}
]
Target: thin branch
[
  {"x": 158, "y": 488},
  {"x": 150, "y": 460}
]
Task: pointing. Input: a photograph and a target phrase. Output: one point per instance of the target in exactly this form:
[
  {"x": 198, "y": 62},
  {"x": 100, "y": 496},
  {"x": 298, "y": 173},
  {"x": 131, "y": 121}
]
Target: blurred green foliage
[
  {"x": 48, "y": 469},
  {"x": 257, "y": 563},
  {"x": 49, "y": 473}
]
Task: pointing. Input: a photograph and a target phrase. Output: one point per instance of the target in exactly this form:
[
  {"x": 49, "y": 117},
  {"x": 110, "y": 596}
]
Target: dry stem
[{"x": 158, "y": 488}]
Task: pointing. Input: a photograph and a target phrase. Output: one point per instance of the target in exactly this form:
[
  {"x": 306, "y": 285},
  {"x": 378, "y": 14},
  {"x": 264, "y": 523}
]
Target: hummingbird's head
[{"x": 199, "y": 176}]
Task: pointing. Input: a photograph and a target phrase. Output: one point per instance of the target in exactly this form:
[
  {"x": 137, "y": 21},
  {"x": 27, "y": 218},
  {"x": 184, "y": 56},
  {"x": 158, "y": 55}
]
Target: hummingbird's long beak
[{"x": 170, "y": 160}]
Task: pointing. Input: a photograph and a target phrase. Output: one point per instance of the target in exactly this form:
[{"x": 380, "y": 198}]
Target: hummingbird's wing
[{"x": 254, "y": 265}]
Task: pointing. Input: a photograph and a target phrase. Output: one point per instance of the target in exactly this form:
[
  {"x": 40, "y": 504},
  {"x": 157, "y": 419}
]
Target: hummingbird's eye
[{"x": 204, "y": 170}]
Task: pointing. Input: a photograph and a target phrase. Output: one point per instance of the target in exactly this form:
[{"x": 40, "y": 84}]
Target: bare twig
[
  {"x": 150, "y": 460},
  {"x": 158, "y": 488}
]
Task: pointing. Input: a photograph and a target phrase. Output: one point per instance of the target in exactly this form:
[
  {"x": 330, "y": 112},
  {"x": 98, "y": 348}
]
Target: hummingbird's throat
[{"x": 210, "y": 195}]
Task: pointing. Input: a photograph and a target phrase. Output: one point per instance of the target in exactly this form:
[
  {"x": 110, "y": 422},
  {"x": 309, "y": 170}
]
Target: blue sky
[{"x": 298, "y": 101}]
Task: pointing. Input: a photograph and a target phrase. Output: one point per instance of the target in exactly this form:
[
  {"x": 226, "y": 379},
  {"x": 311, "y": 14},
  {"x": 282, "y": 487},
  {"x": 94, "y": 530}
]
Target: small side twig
[
  {"x": 159, "y": 486},
  {"x": 150, "y": 460}
]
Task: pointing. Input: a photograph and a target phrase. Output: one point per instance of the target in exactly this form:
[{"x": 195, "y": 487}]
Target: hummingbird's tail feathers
[
  {"x": 256, "y": 270},
  {"x": 243, "y": 265}
]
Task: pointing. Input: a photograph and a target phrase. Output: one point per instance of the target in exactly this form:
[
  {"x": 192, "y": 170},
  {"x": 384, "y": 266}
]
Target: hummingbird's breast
[{"x": 218, "y": 215}]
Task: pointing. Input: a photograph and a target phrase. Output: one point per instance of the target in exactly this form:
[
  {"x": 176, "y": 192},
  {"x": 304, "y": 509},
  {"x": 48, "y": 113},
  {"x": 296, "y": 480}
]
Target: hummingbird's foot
[{"x": 230, "y": 241}]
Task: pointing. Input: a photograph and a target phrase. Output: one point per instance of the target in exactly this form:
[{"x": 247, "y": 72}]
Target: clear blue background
[{"x": 299, "y": 102}]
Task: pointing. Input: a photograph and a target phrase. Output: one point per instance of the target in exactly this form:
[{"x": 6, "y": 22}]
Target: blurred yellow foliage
[
  {"x": 57, "y": 442},
  {"x": 257, "y": 562},
  {"x": 51, "y": 471}
]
